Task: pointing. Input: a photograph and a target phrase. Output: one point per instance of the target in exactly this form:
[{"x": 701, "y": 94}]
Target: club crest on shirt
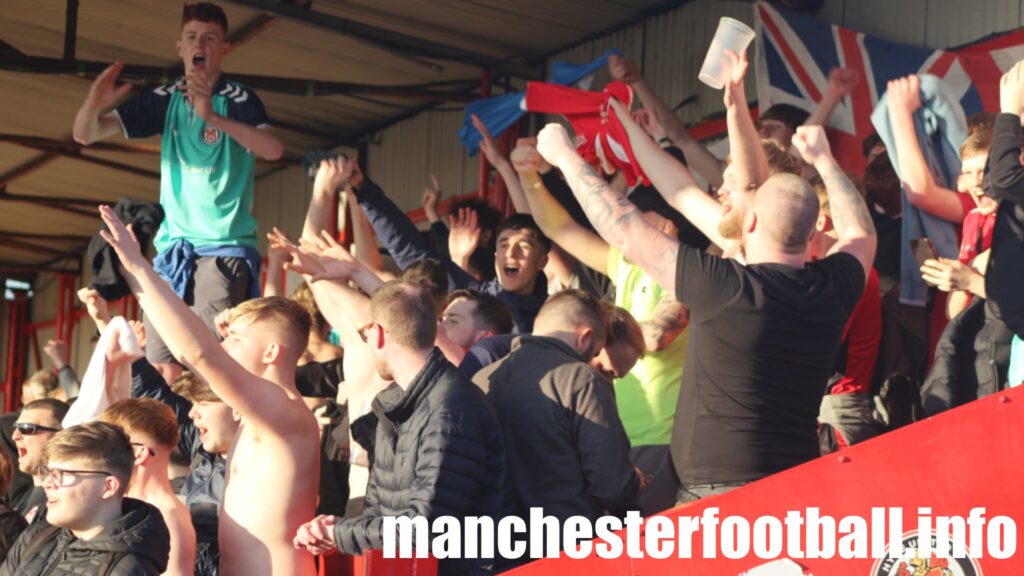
[
  {"x": 911, "y": 563},
  {"x": 211, "y": 135}
]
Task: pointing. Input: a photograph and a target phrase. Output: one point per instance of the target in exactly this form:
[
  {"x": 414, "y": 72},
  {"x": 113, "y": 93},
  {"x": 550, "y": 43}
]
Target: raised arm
[
  {"x": 495, "y": 158},
  {"x": 258, "y": 140},
  {"x": 704, "y": 162},
  {"x": 275, "y": 271},
  {"x": 431, "y": 196},
  {"x": 673, "y": 180},
  {"x": 850, "y": 216},
  {"x": 94, "y": 120},
  {"x": 748, "y": 158},
  {"x": 554, "y": 220},
  {"x": 840, "y": 82},
  {"x": 614, "y": 217},
  {"x": 364, "y": 241},
  {"x": 328, "y": 272},
  {"x": 1006, "y": 173},
  {"x": 903, "y": 98},
  {"x": 332, "y": 174},
  {"x": 188, "y": 338},
  {"x": 57, "y": 351}
]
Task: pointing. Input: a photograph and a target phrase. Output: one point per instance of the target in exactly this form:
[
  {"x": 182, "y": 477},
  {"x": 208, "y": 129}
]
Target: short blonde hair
[
  {"x": 44, "y": 384},
  {"x": 978, "y": 142},
  {"x": 291, "y": 318},
  {"x": 193, "y": 388},
  {"x": 146, "y": 416},
  {"x": 103, "y": 446}
]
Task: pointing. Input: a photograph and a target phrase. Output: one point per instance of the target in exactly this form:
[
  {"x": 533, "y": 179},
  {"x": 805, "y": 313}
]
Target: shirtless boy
[{"x": 273, "y": 463}]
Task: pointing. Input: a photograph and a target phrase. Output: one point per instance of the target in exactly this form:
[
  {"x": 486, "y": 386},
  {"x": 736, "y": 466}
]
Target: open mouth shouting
[
  {"x": 511, "y": 271},
  {"x": 199, "y": 62}
]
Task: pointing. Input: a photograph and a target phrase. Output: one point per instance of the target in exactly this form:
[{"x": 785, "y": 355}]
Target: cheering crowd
[{"x": 651, "y": 326}]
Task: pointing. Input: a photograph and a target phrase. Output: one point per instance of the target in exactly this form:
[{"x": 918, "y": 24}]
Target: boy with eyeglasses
[
  {"x": 89, "y": 526},
  {"x": 153, "y": 431},
  {"x": 38, "y": 422}
]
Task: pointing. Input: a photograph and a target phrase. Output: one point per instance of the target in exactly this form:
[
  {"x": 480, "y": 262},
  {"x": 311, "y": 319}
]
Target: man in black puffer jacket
[
  {"x": 89, "y": 527},
  {"x": 439, "y": 449}
]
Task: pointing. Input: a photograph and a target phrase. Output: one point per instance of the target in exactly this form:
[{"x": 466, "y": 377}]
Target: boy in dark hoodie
[{"x": 89, "y": 526}]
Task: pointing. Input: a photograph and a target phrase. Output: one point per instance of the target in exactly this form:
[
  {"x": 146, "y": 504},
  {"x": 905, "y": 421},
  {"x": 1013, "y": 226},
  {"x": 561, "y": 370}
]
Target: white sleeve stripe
[{"x": 124, "y": 130}]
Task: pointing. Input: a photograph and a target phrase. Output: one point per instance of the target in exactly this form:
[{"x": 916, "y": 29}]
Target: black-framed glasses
[
  {"x": 64, "y": 478},
  {"x": 148, "y": 449},
  {"x": 30, "y": 429}
]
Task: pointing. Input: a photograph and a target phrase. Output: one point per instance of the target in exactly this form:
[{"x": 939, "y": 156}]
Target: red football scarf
[{"x": 596, "y": 125}]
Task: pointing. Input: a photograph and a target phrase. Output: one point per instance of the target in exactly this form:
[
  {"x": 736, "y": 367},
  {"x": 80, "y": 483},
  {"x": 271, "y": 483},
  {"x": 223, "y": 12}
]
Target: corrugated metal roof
[{"x": 143, "y": 32}]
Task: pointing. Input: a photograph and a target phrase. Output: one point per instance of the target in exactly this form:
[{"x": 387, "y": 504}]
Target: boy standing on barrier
[{"x": 213, "y": 130}]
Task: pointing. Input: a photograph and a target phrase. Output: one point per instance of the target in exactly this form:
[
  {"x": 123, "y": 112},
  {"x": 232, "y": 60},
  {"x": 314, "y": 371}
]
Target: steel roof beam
[
  {"x": 280, "y": 85},
  {"x": 391, "y": 40}
]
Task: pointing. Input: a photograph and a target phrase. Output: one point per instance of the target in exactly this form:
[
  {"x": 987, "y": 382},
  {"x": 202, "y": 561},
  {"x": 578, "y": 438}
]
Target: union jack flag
[{"x": 795, "y": 54}]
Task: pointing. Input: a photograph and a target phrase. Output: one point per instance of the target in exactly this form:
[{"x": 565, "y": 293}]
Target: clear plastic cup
[{"x": 731, "y": 35}]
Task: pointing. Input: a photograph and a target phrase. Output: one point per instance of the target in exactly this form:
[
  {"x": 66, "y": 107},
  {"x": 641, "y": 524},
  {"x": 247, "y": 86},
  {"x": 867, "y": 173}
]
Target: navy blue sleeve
[
  {"x": 148, "y": 383},
  {"x": 393, "y": 228},
  {"x": 1006, "y": 175},
  {"x": 143, "y": 114},
  {"x": 245, "y": 106}
]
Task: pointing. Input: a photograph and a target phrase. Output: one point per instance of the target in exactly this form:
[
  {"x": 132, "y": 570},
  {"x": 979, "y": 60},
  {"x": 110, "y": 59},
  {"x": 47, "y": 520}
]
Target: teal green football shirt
[{"x": 206, "y": 178}]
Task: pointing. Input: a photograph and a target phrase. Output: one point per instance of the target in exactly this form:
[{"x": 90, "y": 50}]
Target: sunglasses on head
[{"x": 28, "y": 428}]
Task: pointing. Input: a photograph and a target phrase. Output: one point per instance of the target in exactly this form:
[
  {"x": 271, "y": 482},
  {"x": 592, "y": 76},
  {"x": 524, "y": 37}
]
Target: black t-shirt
[{"x": 763, "y": 342}]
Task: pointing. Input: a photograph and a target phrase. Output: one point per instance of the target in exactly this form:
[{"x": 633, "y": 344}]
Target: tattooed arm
[
  {"x": 616, "y": 219},
  {"x": 669, "y": 320},
  {"x": 850, "y": 216}
]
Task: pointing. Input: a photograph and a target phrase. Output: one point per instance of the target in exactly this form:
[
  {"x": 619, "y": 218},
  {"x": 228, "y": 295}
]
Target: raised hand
[
  {"x": 105, "y": 92},
  {"x": 903, "y": 94},
  {"x": 811, "y": 143},
  {"x": 463, "y": 236},
  {"x": 298, "y": 261},
  {"x": 122, "y": 240},
  {"x": 333, "y": 173},
  {"x": 95, "y": 305},
  {"x": 623, "y": 69},
  {"x": 139, "y": 329},
  {"x": 734, "y": 92},
  {"x": 841, "y": 81},
  {"x": 115, "y": 354},
  {"x": 431, "y": 195},
  {"x": 650, "y": 123},
  {"x": 1011, "y": 90},
  {"x": 336, "y": 262},
  {"x": 488, "y": 146},
  {"x": 554, "y": 143},
  {"x": 525, "y": 158},
  {"x": 199, "y": 92},
  {"x": 57, "y": 351},
  {"x": 277, "y": 255}
]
